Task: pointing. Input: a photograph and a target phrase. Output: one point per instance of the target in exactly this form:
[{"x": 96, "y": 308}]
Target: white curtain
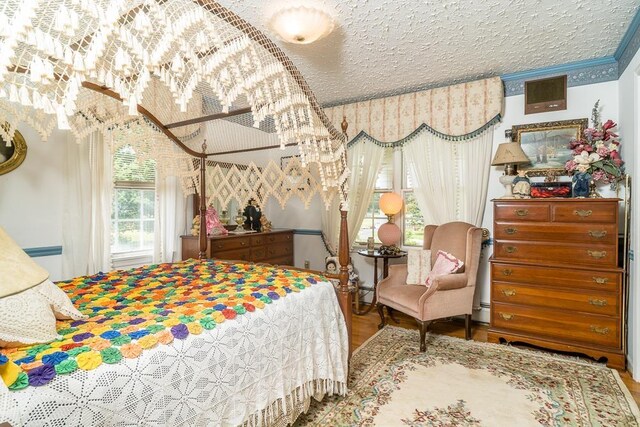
[
  {"x": 86, "y": 236},
  {"x": 169, "y": 219},
  {"x": 365, "y": 159},
  {"x": 450, "y": 178}
]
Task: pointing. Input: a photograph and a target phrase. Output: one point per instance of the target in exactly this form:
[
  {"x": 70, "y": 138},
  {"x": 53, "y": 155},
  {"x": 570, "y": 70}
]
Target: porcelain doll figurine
[
  {"x": 521, "y": 186},
  {"x": 214, "y": 226}
]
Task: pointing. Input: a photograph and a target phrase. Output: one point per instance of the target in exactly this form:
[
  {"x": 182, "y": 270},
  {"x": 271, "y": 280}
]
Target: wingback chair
[{"x": 449, "y": 295}]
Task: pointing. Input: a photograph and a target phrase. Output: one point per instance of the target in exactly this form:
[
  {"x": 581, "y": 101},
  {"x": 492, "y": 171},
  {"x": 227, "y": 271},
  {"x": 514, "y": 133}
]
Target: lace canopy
[{"x": 161, "y": 68}]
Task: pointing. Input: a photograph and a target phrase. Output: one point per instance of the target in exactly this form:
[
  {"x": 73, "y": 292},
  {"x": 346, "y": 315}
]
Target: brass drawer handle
[
  {"x": 510, "y": 249},
  {"x": 598, "y": 302},
  {"x": 507, "y": 272},
  {"x": 243, "y": 243},
  {"x": 597, "y": 234},
  {"x": 509, "y": 292},
  {"x": 521, "y": 212},
  {"x": 511, "y": 230},
  {"x": 507, "y": 316},
  {"x": 583, "y": 213},
  {"x": 601, "y": 331},
  {"x": 600, "y": 280},
  {"x": 597, "y": 254}
]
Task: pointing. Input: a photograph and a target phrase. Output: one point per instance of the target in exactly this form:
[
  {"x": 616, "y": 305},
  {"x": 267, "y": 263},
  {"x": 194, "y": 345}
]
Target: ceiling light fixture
[{"x": 301, "y": 24}]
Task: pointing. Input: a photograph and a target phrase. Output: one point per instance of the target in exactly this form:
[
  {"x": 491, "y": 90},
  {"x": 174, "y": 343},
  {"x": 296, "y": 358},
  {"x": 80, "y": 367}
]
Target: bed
[{"x": 191, "y": 343}]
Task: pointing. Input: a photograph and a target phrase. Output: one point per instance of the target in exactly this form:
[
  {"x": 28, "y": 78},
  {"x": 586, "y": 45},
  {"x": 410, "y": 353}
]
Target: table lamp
[
  {"x": 389, "y": 233},
  {"x": 509, "y": 154}
]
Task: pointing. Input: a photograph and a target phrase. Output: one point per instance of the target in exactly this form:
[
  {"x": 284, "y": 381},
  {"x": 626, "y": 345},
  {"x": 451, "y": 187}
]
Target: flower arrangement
[{"x": 597, "y": 152}]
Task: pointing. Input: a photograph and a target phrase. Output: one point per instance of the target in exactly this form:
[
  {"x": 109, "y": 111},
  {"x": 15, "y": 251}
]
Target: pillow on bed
[
  {"x": 26, "y": 318},
  {"x": 18, "y": 271},
  {"x": 60, "y": 303},
  {"x": 445, "y": 264},
  {"x": 418, "y": 266}
]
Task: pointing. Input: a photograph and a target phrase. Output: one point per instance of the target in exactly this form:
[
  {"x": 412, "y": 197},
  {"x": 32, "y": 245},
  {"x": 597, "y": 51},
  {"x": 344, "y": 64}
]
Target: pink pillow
[{"x": 445, "y": 264}]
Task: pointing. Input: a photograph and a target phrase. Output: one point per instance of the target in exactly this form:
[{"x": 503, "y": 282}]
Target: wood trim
[
  {"x": 108, "y": 92},
  {"x": 209, "y": 117}
]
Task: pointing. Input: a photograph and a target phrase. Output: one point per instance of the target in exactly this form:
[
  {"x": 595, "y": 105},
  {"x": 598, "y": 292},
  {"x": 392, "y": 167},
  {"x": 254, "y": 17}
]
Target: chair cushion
[
  {"x": 445, "y": 264},
  {"x": 402, "y": 297},
  {"x": 418, "y": 266}
]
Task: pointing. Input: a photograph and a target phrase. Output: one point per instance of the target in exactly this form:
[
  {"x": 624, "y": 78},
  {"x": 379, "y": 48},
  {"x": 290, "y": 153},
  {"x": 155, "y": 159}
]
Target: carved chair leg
[
  {"x": 391, "y": 311},
  {"x": 467, "y": 327},
  {"x": 380, "y": 308},
  {"x": 424, "y": 325}
]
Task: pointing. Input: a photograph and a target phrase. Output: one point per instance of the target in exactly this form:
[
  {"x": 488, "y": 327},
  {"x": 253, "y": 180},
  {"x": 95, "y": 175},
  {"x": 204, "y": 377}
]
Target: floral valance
[{"x": 457, "y": 111}]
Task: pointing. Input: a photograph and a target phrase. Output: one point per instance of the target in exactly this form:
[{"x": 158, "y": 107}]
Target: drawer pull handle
[
  {"x": 597, "y": 254},
  {"x": 598, "y": 302},
  {"x": 507, "y": 272},
  {"x": 511, "y": 230},
  {"x": 522, "y": 212},
  {"x": 583, "y": 213},
  {"x": 597, "y": 234},
  {"x": 510, "y": 249},
  {"x": 243, "y": 243},
  {"x": 601, "y": 331},
  {"x": 600, "y": 280},
  {"x": 509, "y": 292},
  {"x": 507, "y": 316}
]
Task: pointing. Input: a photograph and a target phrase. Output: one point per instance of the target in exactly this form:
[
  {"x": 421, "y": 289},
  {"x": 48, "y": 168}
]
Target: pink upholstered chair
[{"x": 449, "y": 295}]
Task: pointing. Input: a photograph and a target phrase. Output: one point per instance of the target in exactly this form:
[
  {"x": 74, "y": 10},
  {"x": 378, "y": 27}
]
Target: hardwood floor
[{"x": 366, "y": 326}]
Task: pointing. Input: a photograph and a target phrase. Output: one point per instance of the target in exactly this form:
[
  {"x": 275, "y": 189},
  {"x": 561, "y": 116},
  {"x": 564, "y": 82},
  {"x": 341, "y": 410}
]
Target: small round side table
[{"x": 385, "y": 272}]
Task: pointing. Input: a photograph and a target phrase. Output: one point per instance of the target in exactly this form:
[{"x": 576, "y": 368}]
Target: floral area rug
[{"x": 465, "y": 383}]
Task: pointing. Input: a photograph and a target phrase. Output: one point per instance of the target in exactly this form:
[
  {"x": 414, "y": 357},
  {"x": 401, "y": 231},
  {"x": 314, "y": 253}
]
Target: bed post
[
  {"x": 203, "y": 203},
  {"x": 344, "y": 293}
]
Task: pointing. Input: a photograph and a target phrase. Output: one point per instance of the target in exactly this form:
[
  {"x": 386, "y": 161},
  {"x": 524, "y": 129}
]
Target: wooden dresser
[
  {"x": 555, "y": 280},
  {"x": 274, "y": 247}
]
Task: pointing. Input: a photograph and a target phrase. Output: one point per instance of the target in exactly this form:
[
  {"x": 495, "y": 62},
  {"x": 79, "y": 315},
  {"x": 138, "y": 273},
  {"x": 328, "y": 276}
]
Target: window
[
  {"x": 394, "y": 170},
  {"x": 132, "y": 216}
]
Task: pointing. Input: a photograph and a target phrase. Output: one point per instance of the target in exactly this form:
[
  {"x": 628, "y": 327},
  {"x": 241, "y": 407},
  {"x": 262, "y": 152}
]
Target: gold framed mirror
[{"x": 12, "y": 156}]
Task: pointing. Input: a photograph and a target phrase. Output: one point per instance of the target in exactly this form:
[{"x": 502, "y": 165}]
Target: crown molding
[{"x": 629, "y": 45}]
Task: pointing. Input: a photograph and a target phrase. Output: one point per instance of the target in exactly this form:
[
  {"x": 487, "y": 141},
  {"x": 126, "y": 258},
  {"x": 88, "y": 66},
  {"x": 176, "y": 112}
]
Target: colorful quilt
[{"x": 134, "y": 310}]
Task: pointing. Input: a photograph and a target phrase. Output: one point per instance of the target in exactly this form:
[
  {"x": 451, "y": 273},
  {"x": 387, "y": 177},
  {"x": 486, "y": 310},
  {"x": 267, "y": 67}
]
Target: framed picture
[
  {"x": 547, "y": 145},
  {"x": 12, "y": 156}
]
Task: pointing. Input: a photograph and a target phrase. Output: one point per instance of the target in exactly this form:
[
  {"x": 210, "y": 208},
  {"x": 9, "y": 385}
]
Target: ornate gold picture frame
[
  {"x": 547, "y": 145},
  {"x": 12, "y": 156}
]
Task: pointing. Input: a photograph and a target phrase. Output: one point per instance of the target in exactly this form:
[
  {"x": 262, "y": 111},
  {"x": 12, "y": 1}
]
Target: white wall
[
  {"x": 629, "y": 127},
  {"x": 31, "y": 196}
]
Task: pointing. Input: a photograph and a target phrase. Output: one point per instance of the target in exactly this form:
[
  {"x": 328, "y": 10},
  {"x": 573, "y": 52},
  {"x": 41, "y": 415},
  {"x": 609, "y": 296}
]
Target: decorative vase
[
  {"x": 240, "y": 218},
  {"x": 593, "y": 190},
  {"x": 581, "y": 184},
  {"x": 224, "y": 219}
]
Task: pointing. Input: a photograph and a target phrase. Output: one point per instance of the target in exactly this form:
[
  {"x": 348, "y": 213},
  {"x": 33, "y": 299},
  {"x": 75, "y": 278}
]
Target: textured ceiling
[{"x": 381, "y": 47}]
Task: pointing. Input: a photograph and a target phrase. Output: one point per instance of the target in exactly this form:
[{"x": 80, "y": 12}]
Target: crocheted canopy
[{"x": 89, "y": 65}]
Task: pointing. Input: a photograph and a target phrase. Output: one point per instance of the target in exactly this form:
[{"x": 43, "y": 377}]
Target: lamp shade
[
  {"x": 389, "y": 234},
  {"x": 390, "y": 203},
  {"x": 509, "y": 153},
  {"x": 301, "y": 25},
  {"x": 19, "y": 271}
]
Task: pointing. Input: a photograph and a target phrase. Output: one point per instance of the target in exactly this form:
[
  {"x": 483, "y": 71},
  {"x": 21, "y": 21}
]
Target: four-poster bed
[{"x": 176, "y": 64}]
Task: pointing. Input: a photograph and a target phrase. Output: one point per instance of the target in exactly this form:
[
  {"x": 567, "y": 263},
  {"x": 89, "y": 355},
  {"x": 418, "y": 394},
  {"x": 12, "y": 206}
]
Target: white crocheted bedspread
[{"x": 294, "y": 348}]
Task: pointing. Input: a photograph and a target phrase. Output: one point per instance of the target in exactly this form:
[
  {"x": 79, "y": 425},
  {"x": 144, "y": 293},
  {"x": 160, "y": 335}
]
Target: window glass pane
[
  {"x": 365, "y": 232},
  {"x": 147, "y": 236},
  {"x": 127, "y": 237},
  {"x": 128, "y": 203},
  {"x": 126, "y": 166},
  {"x": 413, "y": 221},
  {"x": 148, "y": 203}
]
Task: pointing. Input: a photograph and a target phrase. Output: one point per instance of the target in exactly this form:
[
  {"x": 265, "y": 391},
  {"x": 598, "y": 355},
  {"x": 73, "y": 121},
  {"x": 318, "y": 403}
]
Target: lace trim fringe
[{"x": 285, "y": 411}]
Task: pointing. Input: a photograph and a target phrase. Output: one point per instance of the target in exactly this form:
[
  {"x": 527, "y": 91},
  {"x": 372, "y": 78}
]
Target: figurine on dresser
[
  {"x": 521, "y": 186},
  {"x": 214, "y": 226},
  {"x": 252, "y": 214}
]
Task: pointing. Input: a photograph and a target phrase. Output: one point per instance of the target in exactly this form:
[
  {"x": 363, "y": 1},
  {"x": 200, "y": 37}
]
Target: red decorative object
[{"x": 550, "y": 189}]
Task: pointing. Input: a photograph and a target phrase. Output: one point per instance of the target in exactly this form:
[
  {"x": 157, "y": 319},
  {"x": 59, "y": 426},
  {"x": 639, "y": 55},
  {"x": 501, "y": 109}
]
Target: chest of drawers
[
  {"x": 274, "y": 247},
  {"x": 555, "y": 280}
]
